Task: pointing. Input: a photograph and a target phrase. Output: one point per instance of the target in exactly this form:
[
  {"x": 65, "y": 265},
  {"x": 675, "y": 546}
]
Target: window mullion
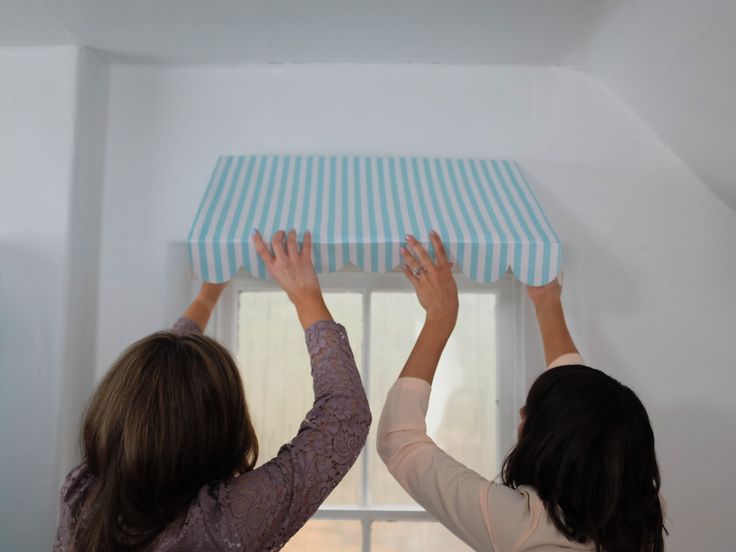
[
  {"x": 366, "y": 533},
  {"x": 509, "y": 377},
  {"x": 365, "y": 371}
]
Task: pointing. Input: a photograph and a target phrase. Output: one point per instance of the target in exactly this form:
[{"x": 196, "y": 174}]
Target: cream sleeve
[
  {"x": 455, "y": 495},
  {"x": 569, "y": 358},
  {"x": 485, "y": 515}
]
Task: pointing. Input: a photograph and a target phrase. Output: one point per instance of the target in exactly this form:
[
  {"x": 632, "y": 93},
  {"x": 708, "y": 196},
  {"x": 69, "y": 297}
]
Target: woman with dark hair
[
  {"x": 169, "y": 449},
  {"x": 583, "y": 475}
]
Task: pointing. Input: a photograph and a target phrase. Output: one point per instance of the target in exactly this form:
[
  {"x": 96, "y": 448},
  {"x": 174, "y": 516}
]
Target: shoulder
[
  {"x": 76, "y": 483},
  {"x": 71, "y": 499},
  {"x": 519, "y": 508},
  {"x": 518, "y": 520}
]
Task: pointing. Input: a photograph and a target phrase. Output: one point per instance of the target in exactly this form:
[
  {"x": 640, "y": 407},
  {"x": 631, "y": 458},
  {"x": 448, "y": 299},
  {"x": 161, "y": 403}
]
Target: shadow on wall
[
  {"x": 597, "y": 283},
  {"x": 29, "y": 305},
  {"x": 30, "y": 367},
  {"x": 688, "y": 436}
]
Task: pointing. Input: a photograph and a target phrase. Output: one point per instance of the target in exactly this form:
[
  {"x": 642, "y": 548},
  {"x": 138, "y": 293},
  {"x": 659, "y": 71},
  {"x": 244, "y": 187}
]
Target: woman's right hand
[
  {"x": 548, "y": 294},
  {"x": 294, "y": 272}
]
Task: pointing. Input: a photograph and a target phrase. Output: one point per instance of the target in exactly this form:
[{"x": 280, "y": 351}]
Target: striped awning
[{"x": 359, "y": 210}]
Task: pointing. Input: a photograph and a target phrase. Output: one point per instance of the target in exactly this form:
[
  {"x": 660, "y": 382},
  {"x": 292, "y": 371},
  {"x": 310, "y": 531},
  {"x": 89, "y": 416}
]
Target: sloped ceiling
[
  {"x": 671, "y": 61},
  {"x": 222, "y": 31}
]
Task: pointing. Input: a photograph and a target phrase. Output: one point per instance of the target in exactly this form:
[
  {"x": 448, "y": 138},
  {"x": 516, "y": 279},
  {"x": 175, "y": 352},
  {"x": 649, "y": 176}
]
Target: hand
[
  {"x": 294, "y": 272},
  {"x": 433, "y": 282},
  {"x": 548, "y": 294},
  {"x": 292, "y": 269}
]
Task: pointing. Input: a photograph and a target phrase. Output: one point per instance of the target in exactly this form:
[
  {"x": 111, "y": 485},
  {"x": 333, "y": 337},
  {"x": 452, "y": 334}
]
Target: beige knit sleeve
[
  {"x": 447, "y": 489},
  {"x": 569, "y": 358}
]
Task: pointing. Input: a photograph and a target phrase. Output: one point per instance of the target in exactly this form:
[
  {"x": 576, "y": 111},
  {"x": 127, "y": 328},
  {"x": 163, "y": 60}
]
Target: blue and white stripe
[{"x": 359, "y": 210}]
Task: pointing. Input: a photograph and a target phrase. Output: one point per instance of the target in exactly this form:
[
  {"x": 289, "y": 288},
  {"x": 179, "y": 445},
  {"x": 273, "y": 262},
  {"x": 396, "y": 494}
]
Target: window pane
[
  {"x": 462, "y": 410},
  {"x": 405, "y": 536},
  {"x": 274, "y": 363},
  {"x": 320, "y": 535}
]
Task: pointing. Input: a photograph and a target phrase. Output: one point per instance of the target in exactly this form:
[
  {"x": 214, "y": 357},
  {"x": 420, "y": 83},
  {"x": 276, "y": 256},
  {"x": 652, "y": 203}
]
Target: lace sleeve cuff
[{"x": 185, "y": 325}]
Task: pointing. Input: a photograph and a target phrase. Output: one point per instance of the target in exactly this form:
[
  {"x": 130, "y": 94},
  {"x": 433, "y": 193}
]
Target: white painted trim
[{"x": 374, "y": 514}]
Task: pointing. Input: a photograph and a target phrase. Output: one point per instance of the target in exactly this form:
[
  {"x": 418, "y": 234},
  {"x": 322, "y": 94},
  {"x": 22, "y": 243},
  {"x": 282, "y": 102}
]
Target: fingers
[
  {"x": 410, "y": 262},
  {"x": 262, "y": 249},
  {"x": 291, "y": 246},
  {"x": 283, "y": 246},
  {"x": 307, "y": 245},
  {"x": 439, "y": 248},
  {"x": 421, "y": 253},
  {"x": 410, "y": 276},
  {"x": 277, "y": 243}
]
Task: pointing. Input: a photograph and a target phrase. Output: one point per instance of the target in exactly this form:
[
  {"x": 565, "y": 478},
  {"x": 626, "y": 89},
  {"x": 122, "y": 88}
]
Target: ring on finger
[{"x": 417, "y": 271}]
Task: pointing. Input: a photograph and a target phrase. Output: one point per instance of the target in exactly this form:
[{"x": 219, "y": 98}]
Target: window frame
[{"x": 510, "y": 367}]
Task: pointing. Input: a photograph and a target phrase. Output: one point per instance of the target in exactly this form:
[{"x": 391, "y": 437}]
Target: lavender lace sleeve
[
  {"x": 185, "y": 325},
  {"x": 262, "y": 509}
]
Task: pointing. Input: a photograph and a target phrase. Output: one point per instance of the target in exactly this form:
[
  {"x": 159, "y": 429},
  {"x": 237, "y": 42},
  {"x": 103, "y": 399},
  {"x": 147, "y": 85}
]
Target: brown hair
[{"x": 168, "y": 418}]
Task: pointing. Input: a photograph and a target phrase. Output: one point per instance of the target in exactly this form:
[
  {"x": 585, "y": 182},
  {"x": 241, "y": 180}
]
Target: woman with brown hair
[{"x": 169, "y": 449}]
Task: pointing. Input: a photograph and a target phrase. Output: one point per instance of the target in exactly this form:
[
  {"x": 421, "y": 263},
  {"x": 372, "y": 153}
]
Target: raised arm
[
  {"x": 437, "y": 293},
  {"x": 268, "y": 505},
  {"x": 559, "y": 347},
  {"x": 451, "y": 492},
  {"x": 198, "y": 313},
  {"x": 294, "y": 272}
]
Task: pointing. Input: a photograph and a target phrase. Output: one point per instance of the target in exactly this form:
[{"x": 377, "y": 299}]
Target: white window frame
[{"x": 510, "y": 366}]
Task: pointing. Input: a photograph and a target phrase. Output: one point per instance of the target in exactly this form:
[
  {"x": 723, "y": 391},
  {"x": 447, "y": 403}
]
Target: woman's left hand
[{"x": 433, "y": 281}]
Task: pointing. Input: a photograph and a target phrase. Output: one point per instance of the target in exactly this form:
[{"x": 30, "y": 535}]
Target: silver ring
[{"x": 417, "y": 272}]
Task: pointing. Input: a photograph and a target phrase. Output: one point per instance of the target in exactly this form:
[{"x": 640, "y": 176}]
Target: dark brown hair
[
  {"x": 587, "y": 448},
  {"x": 168, "y": 418}
]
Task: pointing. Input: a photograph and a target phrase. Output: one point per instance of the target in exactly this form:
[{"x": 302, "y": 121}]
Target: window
[{"x": 471, "y": 414}]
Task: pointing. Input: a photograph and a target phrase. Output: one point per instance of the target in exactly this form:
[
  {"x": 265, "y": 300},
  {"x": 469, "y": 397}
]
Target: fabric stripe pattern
[{"x": 359, "y": 208}]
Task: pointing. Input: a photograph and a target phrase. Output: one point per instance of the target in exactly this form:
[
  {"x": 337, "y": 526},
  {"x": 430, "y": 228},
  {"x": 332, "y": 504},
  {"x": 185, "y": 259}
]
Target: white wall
[
  {"x": 672, "y": 62},
  {"x": 37, "y": 90},
  {"x": 49, "y": 200},
  {"x": 649, "y": 254},
  {"x": 649, "y": 260}
]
